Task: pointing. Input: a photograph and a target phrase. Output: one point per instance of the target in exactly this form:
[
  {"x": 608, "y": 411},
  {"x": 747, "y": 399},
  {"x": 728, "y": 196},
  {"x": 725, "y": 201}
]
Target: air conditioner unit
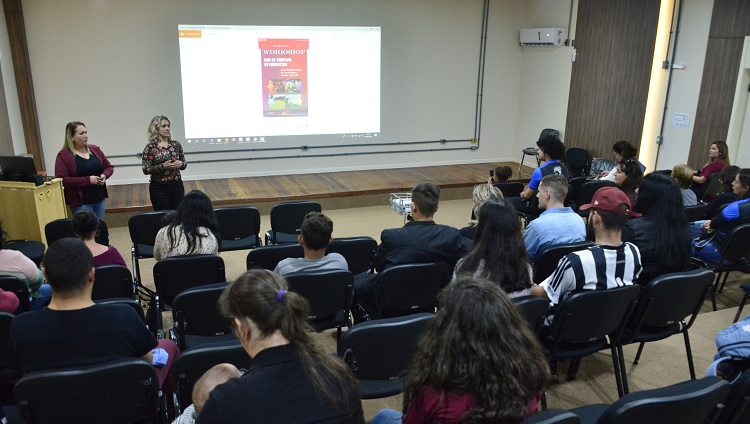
[{"x": 543, "y": 36}]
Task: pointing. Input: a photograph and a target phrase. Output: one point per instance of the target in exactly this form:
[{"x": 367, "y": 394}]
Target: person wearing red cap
[{"x": 618, "y": 262}]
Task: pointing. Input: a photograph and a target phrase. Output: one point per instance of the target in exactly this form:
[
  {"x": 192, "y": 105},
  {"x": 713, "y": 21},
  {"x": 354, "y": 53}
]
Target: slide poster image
[{"x": 284, "y": 76}]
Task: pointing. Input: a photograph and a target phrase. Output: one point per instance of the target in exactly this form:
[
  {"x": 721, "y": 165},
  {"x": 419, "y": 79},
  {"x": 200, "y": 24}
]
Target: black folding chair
[
  {"x": 713, "y": 187},
  {"x": 122, "y": 391},
  {"x": 510, "y": 188},
  {"x": 329, "y": 294},
  {"x": 737, "y": 404},
  {"x": 379, "y": 352},
  {"x": 196, "y": 317},
  {"x": 134, "y": 304},
  {"x": 662, "y": 307},
  {"x": 286, "y": 220},
  {"x": 63, "y": 227},
  {"x": 587, "y": 193},
  {"x": 143, "y": 228},
  {"x": 267, "y": 257},
  {"x": 534, "y": 310},
  {"x": 358, "y": 252},
  {"x": 578, "y": 161},
  {"x": 545, "y": 262},
  {"x": 193, "y": 363},
  {"x": 32, "y": 249},
  {"x": 8, "y": 377},
  {"x": 587, "y": 322},
  {"x": 112, "y": 281},
  {"x": 407, "y": 289},
  {"x": 695, "y": 212},
  {"x": 20, "y": 289},
  {"x": 574, "y": 190},
  {"x": 552, "y": 416},
  {"x": 735, "y": 256},
  {"x": 695, "y": 401},
  {"x": 239, "y": 227}
]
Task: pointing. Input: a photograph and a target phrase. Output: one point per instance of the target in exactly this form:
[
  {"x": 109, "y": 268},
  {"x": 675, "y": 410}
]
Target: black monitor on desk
[{"x": 19, "y": 168}]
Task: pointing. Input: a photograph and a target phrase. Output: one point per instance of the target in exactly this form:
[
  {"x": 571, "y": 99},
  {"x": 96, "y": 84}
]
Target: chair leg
[
  {"x": 623, "y": 371},
  {"x": 619, "y": 376},
  {"x": 544, "y": 400},
  {"x": 713, "y": 296},
  {"x": 724, "y": 282},
  {"x": 689, "y": 354},
  {"x": 742, "y": 305},
  {"x": 575, "y": 364},
  {"x": 638, "y": 355}
]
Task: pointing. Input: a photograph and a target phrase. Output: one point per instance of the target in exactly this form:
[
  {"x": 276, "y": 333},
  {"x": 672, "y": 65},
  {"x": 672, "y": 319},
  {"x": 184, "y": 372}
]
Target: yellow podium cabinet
[{"x": 26, "y": 208}]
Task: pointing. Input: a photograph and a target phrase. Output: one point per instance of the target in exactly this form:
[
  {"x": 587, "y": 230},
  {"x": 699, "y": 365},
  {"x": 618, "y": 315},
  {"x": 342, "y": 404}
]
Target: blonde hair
[
  {"x": 683, "y": 174},
  {"x": 153, "y": 127},
  {"x": 70, "y": 131},
  {"x": 481, "y": 194},
  {"x": 215, "y": 376}
]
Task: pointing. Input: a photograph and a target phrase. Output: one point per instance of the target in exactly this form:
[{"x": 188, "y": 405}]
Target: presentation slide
[{"x": 253, "y": 84}]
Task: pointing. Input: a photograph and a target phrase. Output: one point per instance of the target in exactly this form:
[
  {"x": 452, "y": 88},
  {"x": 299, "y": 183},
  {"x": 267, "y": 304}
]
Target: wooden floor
[{"x": 134, "y": 197}]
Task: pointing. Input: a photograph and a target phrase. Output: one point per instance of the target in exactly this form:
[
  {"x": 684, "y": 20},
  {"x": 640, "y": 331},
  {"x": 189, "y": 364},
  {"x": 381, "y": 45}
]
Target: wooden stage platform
[{"x": 132, "y": 198}]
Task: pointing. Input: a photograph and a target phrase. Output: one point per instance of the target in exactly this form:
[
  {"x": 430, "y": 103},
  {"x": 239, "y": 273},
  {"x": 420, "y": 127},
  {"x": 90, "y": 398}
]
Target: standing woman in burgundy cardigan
[
  {"x": 163, "y": 159},
  {"x": 84, "y": 170}
]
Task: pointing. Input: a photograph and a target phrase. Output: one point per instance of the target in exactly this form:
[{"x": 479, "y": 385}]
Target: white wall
[
  {"x": 114, "y": 64},
  {"x": 685, "y": 87}
]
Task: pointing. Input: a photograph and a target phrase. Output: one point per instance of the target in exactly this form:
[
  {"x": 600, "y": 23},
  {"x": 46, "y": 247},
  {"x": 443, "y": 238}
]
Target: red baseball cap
[{"x": 610, "y": 199}]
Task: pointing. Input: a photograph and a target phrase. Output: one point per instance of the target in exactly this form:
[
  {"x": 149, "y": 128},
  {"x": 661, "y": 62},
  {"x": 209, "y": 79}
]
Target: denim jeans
[
  {"x": 45, "y": 292},
  {"x": 387, "y": 416},
  {"x": 97, "y": 208}
]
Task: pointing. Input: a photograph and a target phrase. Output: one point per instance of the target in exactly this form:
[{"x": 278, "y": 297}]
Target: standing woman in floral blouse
[{"x": 163, "y": 159}]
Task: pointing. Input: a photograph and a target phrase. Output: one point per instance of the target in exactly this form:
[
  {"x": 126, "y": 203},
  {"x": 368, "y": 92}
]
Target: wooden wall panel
[
  {"x": 730, "y": 23},
  {"x": 610, "y": 78}
]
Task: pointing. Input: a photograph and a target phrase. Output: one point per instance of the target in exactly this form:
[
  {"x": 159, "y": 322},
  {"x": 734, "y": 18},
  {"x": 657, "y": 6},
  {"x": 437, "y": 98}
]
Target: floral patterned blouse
[
  {"x": 207, "y": 243},
  {"x": 154, "y": 158}
]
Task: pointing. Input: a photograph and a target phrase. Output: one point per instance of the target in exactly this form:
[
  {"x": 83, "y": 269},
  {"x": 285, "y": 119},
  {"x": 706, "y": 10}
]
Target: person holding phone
[{"x": 163, "y": 159}]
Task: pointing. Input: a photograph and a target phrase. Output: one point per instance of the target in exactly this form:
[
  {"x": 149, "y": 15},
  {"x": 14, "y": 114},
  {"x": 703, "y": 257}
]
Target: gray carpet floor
[{"x": 662, "y": 363}]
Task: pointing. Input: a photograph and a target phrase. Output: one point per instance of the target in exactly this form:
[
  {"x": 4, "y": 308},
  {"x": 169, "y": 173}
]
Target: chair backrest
[
  {"x": 267, "y": 257},
  {"x": 327, "y": 292},
  {"x": 737, "y": 405},
  {"x": 588, "y": 189},
  {"x": 510, "y": 188},
  {"x": 666, "y": 172},
  {"x": 545, "y": 262},
  {"x": 592, "y": 314},
  {"x": 195, "y": 313},
  {"x": 6, "y": 320},
  {"x": 410, "y": 288},
  {"x": 578, "y": 161},
  {"x": 112, "y": 281},
  {"x": 287, "y": 217},
  {"x": 695, "y": 212},
  {"x": 122, "y": 391},
  {"x": 178, "y": 273},
  {"x": 693, "y": 401},
  {"x": 533, "y": 309},
  {"x": 358, "y": 252},
  {"x": 143, "y": 228},
  {"x": 20, "y": 289},
  {"x": 670, "y": 298},
  {"x": 552, "y": 416},
  {"x": 134, "y": 304},
  {"x": 239, "y": 227},
  {"x": 32, "y": 249},
  {"x": 735, "y": 247},
  {"x": 574, "y": 190},
  {"x": 63, "y": 227},
  {"x": 713, "y": 187},
  {"x": 192, "y": 364},
  {"x": 382, "y": 349}
]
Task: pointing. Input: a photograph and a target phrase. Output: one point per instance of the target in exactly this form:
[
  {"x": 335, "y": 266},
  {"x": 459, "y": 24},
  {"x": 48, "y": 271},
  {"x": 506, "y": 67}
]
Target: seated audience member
[
  {"x": 419, "y": 240},
  {"x": 718, "y": 159},
  {"x": 192, "y": 230},
  {"x": 734, "y": 214},
  {"x": 627, "y": 177},
  {"x": 15, "y": 264},
  {"x": 215, "y": 376},
  {"x": 73, "y": 330},
  {"x": 461, "y": 375},
  {"x": 610, "y": 263},
  {"x": 316, "y": 236},
  {"x": 683, "y": 174},
  {"x": 482, "y": 193},
  {"x": 86, "y": 225},
  {"x": 551, "y": 152},
  {"x": 558, "y": 224},
  {"x": 623, "y": 150},
  {"x": 498, "y": 253},
  {"x": 661, "y": 234},
  {"x": 292, "y": 379},
  {"x": 726, "y": 176},
  {"x": 501, "y": 174}
]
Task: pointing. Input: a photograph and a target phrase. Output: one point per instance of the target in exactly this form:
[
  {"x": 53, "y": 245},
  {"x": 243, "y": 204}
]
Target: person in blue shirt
[{"x": 551, "y": 151}]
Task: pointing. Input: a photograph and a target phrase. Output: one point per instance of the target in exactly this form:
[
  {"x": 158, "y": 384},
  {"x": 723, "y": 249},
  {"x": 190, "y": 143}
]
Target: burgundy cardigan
[{"x": 65, "y": 168}]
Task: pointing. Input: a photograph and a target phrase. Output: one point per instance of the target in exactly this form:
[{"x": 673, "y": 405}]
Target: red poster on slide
[{"x": 284, "y": 72}]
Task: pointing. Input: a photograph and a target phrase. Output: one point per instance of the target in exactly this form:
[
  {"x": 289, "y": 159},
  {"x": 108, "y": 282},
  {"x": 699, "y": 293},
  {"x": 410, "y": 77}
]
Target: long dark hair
[
  {"x": 194, "y": 212},
  {"x": 257, "y": 295},
  {"x": 478, "y": 344},
  {"x": 660, "y": 200},
  {"x": 499, "y": 245},
  {"x": 634, "y": 174}
]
